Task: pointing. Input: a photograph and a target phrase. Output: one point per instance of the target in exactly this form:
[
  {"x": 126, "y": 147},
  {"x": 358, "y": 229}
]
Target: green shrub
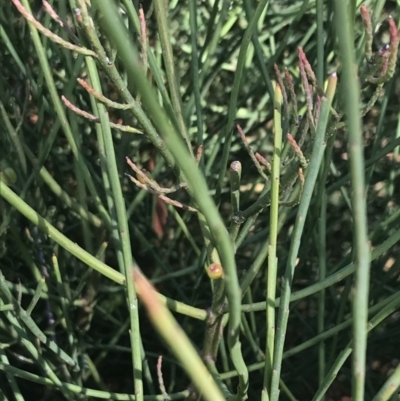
[{"x": 242, "y": 157}]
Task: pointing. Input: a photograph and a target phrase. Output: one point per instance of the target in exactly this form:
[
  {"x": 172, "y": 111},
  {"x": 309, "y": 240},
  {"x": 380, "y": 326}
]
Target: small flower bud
[{"x": 215, "y": 271}]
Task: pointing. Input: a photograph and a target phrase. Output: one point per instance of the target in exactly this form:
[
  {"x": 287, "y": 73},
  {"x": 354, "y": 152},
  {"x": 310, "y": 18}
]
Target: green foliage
[{"x": 242, "y": 157}]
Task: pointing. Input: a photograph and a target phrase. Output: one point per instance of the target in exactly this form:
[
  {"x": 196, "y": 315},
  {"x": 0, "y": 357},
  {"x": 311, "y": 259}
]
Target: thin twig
[
  {"x": 151, "y": 184},
  {"x": 309, "y": 71},
  {"x": 91, "y": 117},
  {"x": 125, "y": 128},
  {"x": 51, "y": 35},
  {"x": 388, "y": 71},
  {"x": 251, "y": 153},
  {"x": 143, "y": 38},
  {"x": 50, "y": 10},
  {"x": 284, "y": 94},
  {"x": 375, "y": 96},
  {"x": 163, "y": 197},
  {"x": 297, "y": 150},
  {"x": 102, "y": 98},
  {"x": 295, "y": 201},
  {"x": 307, "y": 90},
  {"x": 160, "y": 377},
  {"x": 263, "y": 161},
  {"x": 78, "y": 111},
  {"x": 289, "y": 81},
  {"x": 317, "y": 108},
  {"x": 366, "y": 19},
  {"x": 199, "y": 153}
]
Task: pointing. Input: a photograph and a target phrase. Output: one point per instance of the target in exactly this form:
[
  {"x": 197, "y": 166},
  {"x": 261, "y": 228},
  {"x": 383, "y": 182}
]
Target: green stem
[
  {"x": 124, "y": 238},
  {"x": 312, "y": 173},
  {"x": 195, "y": 73},
  {"x": 345, "y": 34},
  {"x": 272, "y": 271},
  {"x": 235, "y": 93},
  {"x": 321, "y": 243},
  {"x": 320, "y": 43},
  {"x": 164, "y": 32},
  {"x": 177, "y": 340},
  {"x": 389, "y": 388}
]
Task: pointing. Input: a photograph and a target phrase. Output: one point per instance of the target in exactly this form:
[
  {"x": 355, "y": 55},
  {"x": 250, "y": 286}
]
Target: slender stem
[
  {"x": 320, "y": 43},
  {"x": 164, "y": 32},
  {"x": 210, "y": 46},
  {"x": 235, "y": 174},
  {"x": 154, "y": 67},
  {"x": 322, "y": 275},
  {"x": 11, "y": 379},
  {"x": 390, "y": 386},
  {"x": 272, "y": 271},
  {"x": 26, "y": 12},
  {"x": 257, "y": 46},
  {"x": 312, "y": 173},
  {"x": 24, "y": 338},
  {"x": 124, "y": 238},
  {"x": 179, "y": 343},
  {"x": 195, "y": 73},
  {"x": 344, "y": 28},
  {"x": 36, "y": 296},
  {"x": 136, "y": 110},
  {"x": 235, "y": 92}
]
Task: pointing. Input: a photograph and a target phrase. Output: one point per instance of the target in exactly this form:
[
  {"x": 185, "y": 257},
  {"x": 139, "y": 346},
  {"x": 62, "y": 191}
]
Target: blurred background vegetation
[{"x": 56, "y": 161}]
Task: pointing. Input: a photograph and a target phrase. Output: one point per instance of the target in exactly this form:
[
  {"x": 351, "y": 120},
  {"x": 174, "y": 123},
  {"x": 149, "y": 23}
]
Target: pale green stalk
[
  {"x": 10, "y": 378},
  {"x": 153, "y": 66},
  {"x": 195, "y": 74},
  {"x": 177, "y": 340},
  {"x": 321, "y": 233},
  {"x": 272, "y": 269},
  {"x": 123, "y": 237},
  {"x": 312, "y": 173},
  {"x": 351, "y": 98},
  {"x": 36, "y": 296},
  {"x": 320, "y": 43},
  {"x": 173, "y": 84},
  {"x": 389, "y": 388},
  {"x": 237, "y": 83}
]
